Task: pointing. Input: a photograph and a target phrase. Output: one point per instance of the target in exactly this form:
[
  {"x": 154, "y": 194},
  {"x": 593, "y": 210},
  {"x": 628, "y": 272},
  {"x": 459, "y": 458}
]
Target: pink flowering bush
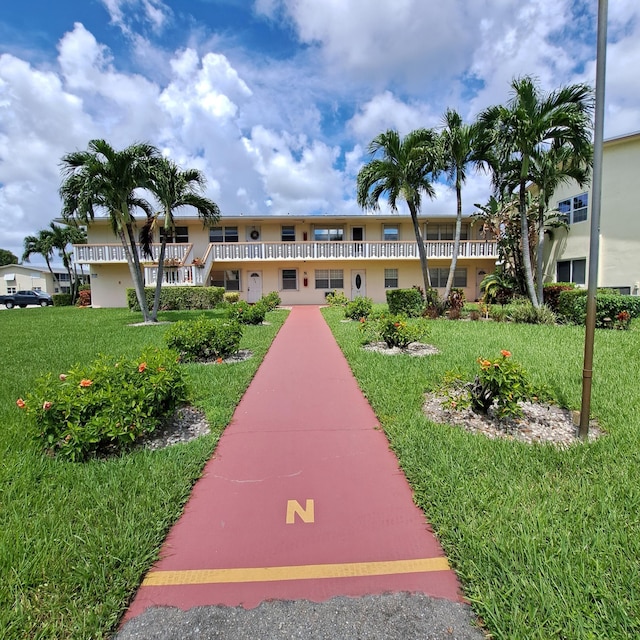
[{"x": 105, "y": 406}]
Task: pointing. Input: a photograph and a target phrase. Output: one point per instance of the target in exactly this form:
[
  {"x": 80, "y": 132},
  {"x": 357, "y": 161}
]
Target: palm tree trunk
[
  {"x": 421, "y": 249},
  {"x": 133, "y": 260},
  {"x": 456, "y": 241},
  {"x": 526, "y": 248},
  {"x": 540, "y": 255},
  {"x": 159, "y": 276}
]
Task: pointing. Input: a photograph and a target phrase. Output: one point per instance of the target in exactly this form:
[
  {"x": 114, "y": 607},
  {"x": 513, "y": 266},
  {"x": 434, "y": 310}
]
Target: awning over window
[{"x": 9, "y": 276}]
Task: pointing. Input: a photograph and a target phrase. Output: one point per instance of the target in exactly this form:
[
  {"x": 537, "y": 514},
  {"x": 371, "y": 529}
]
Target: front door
[
  {"x": 358, "y": 284},
  {"x": 254, "y": 288}
]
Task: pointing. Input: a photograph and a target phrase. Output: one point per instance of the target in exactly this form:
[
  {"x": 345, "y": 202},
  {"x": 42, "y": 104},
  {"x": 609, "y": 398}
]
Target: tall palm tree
[
  {"x": 404, "y": 171},
  {"x": 61, "y": 238},
  {"x": 173, "y": 188},
  {"x": 40, "y": 244},
  {"x": 103, "y": 178},
  {"x": 461, "y": 146},
  {"x": 527, "y": 126}
]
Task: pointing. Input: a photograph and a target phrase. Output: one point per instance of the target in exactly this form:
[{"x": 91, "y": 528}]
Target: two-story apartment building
[
  {"x": 301, "y": 257},
  {"x": 619, "y": 256}
]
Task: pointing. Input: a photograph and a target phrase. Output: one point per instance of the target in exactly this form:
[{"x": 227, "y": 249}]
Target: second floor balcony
[{"x": 180, "y": 254}]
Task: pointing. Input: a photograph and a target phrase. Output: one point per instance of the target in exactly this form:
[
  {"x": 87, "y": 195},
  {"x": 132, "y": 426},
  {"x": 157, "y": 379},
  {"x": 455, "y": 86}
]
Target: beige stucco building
[
  {"x": 619, "y": 254},
  {"x": 18, "y": 277},
  {"x": 301, "y": 257}
]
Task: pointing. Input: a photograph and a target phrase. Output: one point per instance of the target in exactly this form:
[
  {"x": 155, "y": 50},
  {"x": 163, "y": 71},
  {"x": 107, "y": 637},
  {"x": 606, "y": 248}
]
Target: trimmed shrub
[
  {"x": 409, "y": 302},
  {"x": 552, "y": 291},
  {"x": 396, "y": 330},
  {"x": 336, "y": 299},
  {"x": 179, "y": 298},
  {"x": 359, "y": 307},
  {"x": 105, "y": 406},
  {"x": 610, "y": 308},
  {"x": 272, "y": 300},
  {"x": 61, "y": 299},
  {"x": 246, "y": 313},
  {"x": 84, "y": 298},
  {"x": 528, "y": 314},
  {"x": 231, "y": 297},
  {"x": 203, "y": 339}
]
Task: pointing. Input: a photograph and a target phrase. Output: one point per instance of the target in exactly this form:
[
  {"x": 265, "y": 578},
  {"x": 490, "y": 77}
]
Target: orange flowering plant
[
  {"x": 104, "y": 406},
  {"x": 395, "y": 330},
  {"x": 501, "y": 384}
]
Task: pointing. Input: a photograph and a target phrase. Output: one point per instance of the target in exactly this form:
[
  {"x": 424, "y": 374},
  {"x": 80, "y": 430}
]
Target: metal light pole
[{"x": 596, "y": 197}]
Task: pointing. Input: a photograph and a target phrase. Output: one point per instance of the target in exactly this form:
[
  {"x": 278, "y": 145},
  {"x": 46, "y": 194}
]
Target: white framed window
[
  {"x": 179, "y": 234},
  {"x": 329, "y": 279},
  {"x": 445, "y": 231},
  {"x": 390, "y": 278},
  {"x": 390, "y": 232},
  {"x": 572, "y": 271},
  {"x": 288, "y": 233},
  {"x": 574, "y": 209},
  {"x": 289, "y": 279},
  {"x": 223, "y": 234},
  {"x": 439, "y": 277},
  {"x": 11, "y": 290},
  {"x": 229, "y": 279},
  {"x": 328, "y": 234}
]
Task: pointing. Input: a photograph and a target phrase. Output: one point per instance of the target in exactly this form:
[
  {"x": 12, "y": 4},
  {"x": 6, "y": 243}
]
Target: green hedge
[
  {"x": 61, "y": 299},
  {"x": 552, "y": 291},
  {"x": 179, "y": 298},
  {"x": 572, "y": 306},
  {"x": 405, "y": 301}
]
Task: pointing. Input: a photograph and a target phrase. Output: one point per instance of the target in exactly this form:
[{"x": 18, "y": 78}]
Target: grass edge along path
[
  {"x": 76, "y": 539},
  {"x": 546, "y": 542}
]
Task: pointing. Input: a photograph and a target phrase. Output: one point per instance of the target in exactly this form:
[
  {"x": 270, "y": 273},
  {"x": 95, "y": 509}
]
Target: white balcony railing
[{"x": 178, "y": 254}]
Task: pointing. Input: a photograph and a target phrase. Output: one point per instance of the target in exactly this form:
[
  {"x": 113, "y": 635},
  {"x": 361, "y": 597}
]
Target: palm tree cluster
[
  {"x": 104, "y": 179},
  {"x": 532, "y": 144}
]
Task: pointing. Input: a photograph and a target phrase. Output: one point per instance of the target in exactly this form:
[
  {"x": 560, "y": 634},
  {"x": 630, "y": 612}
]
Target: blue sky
[{"x": 277, "y": 100}]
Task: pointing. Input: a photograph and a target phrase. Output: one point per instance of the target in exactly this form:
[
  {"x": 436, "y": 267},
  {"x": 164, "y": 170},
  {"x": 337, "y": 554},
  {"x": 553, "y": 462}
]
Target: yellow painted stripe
[{"x": 300, "y": 572}]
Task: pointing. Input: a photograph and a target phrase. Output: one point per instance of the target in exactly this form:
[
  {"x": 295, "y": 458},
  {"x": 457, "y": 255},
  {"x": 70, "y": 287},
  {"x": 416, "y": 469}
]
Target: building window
[
  {"x": 439, "y": 277},
  {"x": 390, "y": 278},
  {"x": 329, "y": 279},
  {"x": 574, "y": 209},
  {"x": 229, "y": 279},
  {"x": 572, "y": 271},
  {"x": 324, "y": 234},
  {"x": 390, "y": 233},
  {"x": 444, "y": 231},
  {"x": 288, "y": 233},
  {"x": 289, "y": 279},
  {"x": 11, "y": 290},
  {"x": 223, "y": 234},
  {"x": 178, "y": 234}
]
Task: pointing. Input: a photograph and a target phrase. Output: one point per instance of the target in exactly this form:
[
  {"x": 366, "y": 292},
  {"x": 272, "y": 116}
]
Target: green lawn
[
  {"x": 546, "y": 542},
  {"x": 76, "y": 539}
]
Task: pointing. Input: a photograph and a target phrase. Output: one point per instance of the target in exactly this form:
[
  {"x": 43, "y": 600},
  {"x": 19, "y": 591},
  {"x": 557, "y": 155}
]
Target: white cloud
[{"x": 152, "y": 12}]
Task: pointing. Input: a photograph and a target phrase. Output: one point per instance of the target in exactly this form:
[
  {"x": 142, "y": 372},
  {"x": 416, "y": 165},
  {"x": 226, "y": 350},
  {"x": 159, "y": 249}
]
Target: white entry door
[
  {"x": 358, "y": 284},
  {"x": 254, "y": 288}
]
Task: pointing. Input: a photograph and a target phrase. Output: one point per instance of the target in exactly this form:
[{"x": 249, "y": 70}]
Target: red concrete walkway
[{"x": 303, "y": 498}]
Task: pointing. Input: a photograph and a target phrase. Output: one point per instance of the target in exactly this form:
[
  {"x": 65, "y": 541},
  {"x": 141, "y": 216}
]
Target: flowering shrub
[
  {"x": 395, "y": 330},
  {"x": 359, "y": 307},
  {"x": 203, "y": 339},
  {"x": 104, "y": 406},
  {"x": 501, "y": 384},
  {"x": 246, "y": 313},
  {"x": 84, "y": 298}
]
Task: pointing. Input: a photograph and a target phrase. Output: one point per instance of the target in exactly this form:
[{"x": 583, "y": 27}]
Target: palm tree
[
  {"x": 461, "y": 146},
  {"x": 403, "y": 172},
  {"x": 40, "y": 244},
  {"x": 61, "y": 238},
  {"x": 103, "y": 178},
  {"x": 173, "y": 188},
  {"x": 527, "y": 126},
  {"x": 552, "y": 168}
]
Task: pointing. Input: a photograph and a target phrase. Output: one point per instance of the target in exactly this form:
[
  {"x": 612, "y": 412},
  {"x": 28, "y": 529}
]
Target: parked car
[{"x": 25, "y": 298}]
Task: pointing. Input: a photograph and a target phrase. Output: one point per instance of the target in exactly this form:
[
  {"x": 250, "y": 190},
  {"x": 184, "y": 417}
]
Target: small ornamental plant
[
  {"x": 105, "y": 406},
  {"x": 499, "y": 385},
  {"x": 394, "y": 330},
  {"x": 246, "y": 313},
  {"x": 359, "y": 307},
  {"x": 203, "y": 340},
  {"x": 336, "y": 299}
]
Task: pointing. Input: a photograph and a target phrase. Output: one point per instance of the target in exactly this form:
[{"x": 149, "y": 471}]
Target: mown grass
[
  {"x": 545, "y": 541},
  {"x": 76, "y": 539}
]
